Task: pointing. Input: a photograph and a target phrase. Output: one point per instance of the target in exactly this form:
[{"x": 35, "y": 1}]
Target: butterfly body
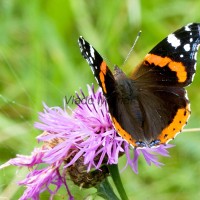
[{"x": 150, "y": 107}]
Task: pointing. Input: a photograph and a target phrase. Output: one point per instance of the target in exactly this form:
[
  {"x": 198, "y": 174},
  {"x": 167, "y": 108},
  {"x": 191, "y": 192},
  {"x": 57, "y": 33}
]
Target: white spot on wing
[
  {"x": 173, "y": 40},
  {"x": 181, "y": 55},
  {"x": 186, "y": 47},
  {"x": 92, "y": 51},
  {"x": 91, "y": 60},
  {"x": 191, "y": 39},
  {"x": 187, "y": 28}
]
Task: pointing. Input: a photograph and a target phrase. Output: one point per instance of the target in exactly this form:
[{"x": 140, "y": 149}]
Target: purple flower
[{"x": 82, "y": 139}]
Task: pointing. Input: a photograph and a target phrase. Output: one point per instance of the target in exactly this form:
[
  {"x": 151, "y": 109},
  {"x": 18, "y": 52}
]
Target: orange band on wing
[
  {"x": 103, "y": 70},
  {"x": 175, "y": 126},
  {"x": 177, "y": 67},
  {"x": 123, "y": 133}
]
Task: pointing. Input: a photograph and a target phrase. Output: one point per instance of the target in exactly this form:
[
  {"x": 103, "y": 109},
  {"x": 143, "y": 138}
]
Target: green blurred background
[{"x": 40, "y": 61}]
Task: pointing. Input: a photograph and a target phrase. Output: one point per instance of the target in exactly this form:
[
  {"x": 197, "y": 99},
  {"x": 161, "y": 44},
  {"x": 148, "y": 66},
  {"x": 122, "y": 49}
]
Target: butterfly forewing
[
  {"x": 173, "y": 60},
  {"x": 102, "y": 73}
]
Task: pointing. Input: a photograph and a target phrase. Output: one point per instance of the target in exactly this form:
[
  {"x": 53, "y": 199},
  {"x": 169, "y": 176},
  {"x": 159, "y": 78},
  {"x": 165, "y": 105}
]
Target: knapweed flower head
[{"x": 79, "y": 144}]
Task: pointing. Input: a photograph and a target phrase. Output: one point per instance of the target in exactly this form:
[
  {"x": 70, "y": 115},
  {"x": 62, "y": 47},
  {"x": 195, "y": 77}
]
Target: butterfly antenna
[{"x": 136, "y": 39}]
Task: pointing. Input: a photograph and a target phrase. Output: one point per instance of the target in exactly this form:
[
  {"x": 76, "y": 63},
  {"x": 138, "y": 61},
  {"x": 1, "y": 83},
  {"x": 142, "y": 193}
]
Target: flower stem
[
  {"x": 105, "y": 190},
  {"x": 114, "y": 171}
]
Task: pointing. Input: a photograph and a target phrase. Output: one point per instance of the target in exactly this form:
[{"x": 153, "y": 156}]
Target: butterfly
[{"x": 150, "y": 106}]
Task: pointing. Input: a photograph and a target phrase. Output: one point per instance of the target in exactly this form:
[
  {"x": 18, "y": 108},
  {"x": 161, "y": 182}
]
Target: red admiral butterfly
[{"x": 150, "y": 107}]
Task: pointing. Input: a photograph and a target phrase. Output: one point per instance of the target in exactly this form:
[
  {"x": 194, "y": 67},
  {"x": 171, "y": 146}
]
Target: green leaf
[{"x": 105, "y": 190}]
